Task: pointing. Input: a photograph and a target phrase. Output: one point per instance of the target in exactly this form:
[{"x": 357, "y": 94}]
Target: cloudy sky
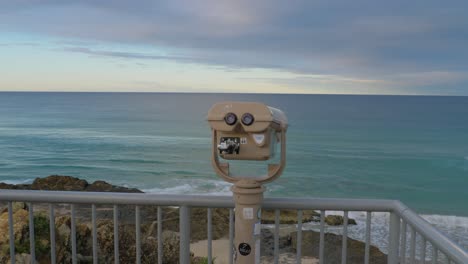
[{"x": 345, "y": 47}]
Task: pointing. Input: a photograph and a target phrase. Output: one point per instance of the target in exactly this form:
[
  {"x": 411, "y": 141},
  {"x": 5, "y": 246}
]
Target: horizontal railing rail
[
  {"x": 212, "y": 201},
  {"x": 401, "y": 220}
]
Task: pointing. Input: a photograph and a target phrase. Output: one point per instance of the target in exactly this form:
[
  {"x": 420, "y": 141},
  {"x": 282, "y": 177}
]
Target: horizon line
[{"x": 253, "y": 93}]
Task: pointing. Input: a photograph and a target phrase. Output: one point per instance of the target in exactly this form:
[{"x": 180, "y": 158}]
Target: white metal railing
[{"x": 401, "y": 219}]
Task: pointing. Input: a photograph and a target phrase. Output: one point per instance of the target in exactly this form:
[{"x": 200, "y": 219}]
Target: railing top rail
[
  {"x": 192, "y": 200},
  {"x": 115, "y": 198},
  {"x": 445, "y": 244}
]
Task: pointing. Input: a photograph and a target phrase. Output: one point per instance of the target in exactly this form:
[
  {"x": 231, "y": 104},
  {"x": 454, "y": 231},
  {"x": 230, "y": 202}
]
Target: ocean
[{"x": 410, "y": 148}]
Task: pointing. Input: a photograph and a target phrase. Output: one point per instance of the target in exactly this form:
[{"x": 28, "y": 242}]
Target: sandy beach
[{"x": 220, "y": 252}]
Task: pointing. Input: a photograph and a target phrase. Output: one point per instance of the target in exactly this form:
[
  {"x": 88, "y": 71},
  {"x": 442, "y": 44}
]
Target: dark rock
[
  {"x": 7, "y": 186},
  {"x": 288, "y": 216},
  {"x": 68, "y": 183},
  {"x": 335, "y": 220},
  {"x": 15, "y": 206},
  {"x": 356, "y": 249},
  {"x": 102, "y": 186},
  {"x": 23, "y": 258},
  {"x": 220, "y": 220},
  {"x": 105, "y": 238},
  {"x": 199, "y": 222},
  {"x": 21, "y": 236},
  {"x": 267, "y": 243},
  {"x": 20, "y": 230},
  {"x": 62, "y": 236},
  {"x": 59, "y": 183},
  {"x": 171, "y": 243}
]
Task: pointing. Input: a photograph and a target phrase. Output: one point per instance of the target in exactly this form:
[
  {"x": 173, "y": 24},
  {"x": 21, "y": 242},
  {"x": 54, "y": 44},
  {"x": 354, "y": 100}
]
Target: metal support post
[
  {"x": 248, "y": 196},
  {"x": 394, "y": 239},
  {"x": 184, "y": 225}
]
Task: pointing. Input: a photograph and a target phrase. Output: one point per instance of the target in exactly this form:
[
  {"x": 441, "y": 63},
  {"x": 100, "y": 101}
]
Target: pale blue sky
[{"x": 345, "y": 47}]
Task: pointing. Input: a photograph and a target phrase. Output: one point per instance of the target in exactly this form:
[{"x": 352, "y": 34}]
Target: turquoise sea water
[{"x": 400, "y": 147}]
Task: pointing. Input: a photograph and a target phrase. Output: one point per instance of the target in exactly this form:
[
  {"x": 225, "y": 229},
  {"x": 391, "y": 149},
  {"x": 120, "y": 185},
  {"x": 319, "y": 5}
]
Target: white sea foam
[
  {"x": 181, "y": 189},
  {"x": 455, "y": 227},
  {"x": 22, "y": 181},
  {"x": 205, "y": 187},
  {"x": 199, "y": 186}
]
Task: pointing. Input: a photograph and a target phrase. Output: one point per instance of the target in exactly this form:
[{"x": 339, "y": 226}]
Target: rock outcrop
[
  {"x": 68, "y": 183},
  {"x": 267, "y": 243},
  {"x": 105, "y": 239},
  {"x": 289, "y": 216},
  {"x": 311, "y": 242},
  {"x": 335, "y": 220},
  {"x": 21, "y": 234}
]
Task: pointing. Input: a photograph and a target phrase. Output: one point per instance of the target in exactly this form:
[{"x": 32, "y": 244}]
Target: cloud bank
[{"x": 417, "y": 45}]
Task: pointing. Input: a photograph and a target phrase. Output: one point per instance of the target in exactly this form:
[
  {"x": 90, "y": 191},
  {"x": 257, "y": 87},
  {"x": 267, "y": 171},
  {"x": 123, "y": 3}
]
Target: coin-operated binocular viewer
[{"x": 247, "y": 131}]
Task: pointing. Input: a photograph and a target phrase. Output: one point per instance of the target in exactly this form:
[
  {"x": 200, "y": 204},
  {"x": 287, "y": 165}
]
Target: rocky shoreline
[
  {"x": 68, "y": 183},
  {"x": 170, "y": 236}
]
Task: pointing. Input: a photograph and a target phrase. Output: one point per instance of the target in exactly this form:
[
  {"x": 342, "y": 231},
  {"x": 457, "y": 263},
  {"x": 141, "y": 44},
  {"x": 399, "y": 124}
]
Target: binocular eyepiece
[
  {"x": 246, "y": 119},
  {"x": 253, "y": 136}
]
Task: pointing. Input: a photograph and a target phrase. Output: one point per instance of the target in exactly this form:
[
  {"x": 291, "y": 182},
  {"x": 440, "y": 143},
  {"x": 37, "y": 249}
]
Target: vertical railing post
[
  {"x": 413, "y": 245},
  {"x": 93, "y": 222},
  {"x": 12, "y": 233},
  {"x": 368, "y": 237},
  {"x": 299, "y": 237},
  {"x": 322, "y": 238},
  {"x": 231, "y": 236},
  {"x": 403, "y": 243},
  {"x": 160, "y": 242},
  {"x": 344, "y": 246},
  {"x": 210, "y": 234},
  {"x": 394, "y": 238},
  {"x": 32, "y": 241},
  {"x": 73, "y": 234},
  {"x": 184, "y": 226},
  {"x": 276, "y": 240},
  {"x": 423, "y": 250},
  {"x": 53, "y": 257},
  {"x": 138, "y": 234},
  {"x": 116, "y": 235}
]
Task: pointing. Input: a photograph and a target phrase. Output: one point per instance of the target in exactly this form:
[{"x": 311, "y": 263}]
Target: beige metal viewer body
[{"x": 247, "y": 131}]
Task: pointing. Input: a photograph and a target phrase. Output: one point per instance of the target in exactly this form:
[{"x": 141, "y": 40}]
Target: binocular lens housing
[
  {"x": 247, "y": 119},
  {"x": 230, "y": 119},
  {"x": 246, "y": 131}
]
